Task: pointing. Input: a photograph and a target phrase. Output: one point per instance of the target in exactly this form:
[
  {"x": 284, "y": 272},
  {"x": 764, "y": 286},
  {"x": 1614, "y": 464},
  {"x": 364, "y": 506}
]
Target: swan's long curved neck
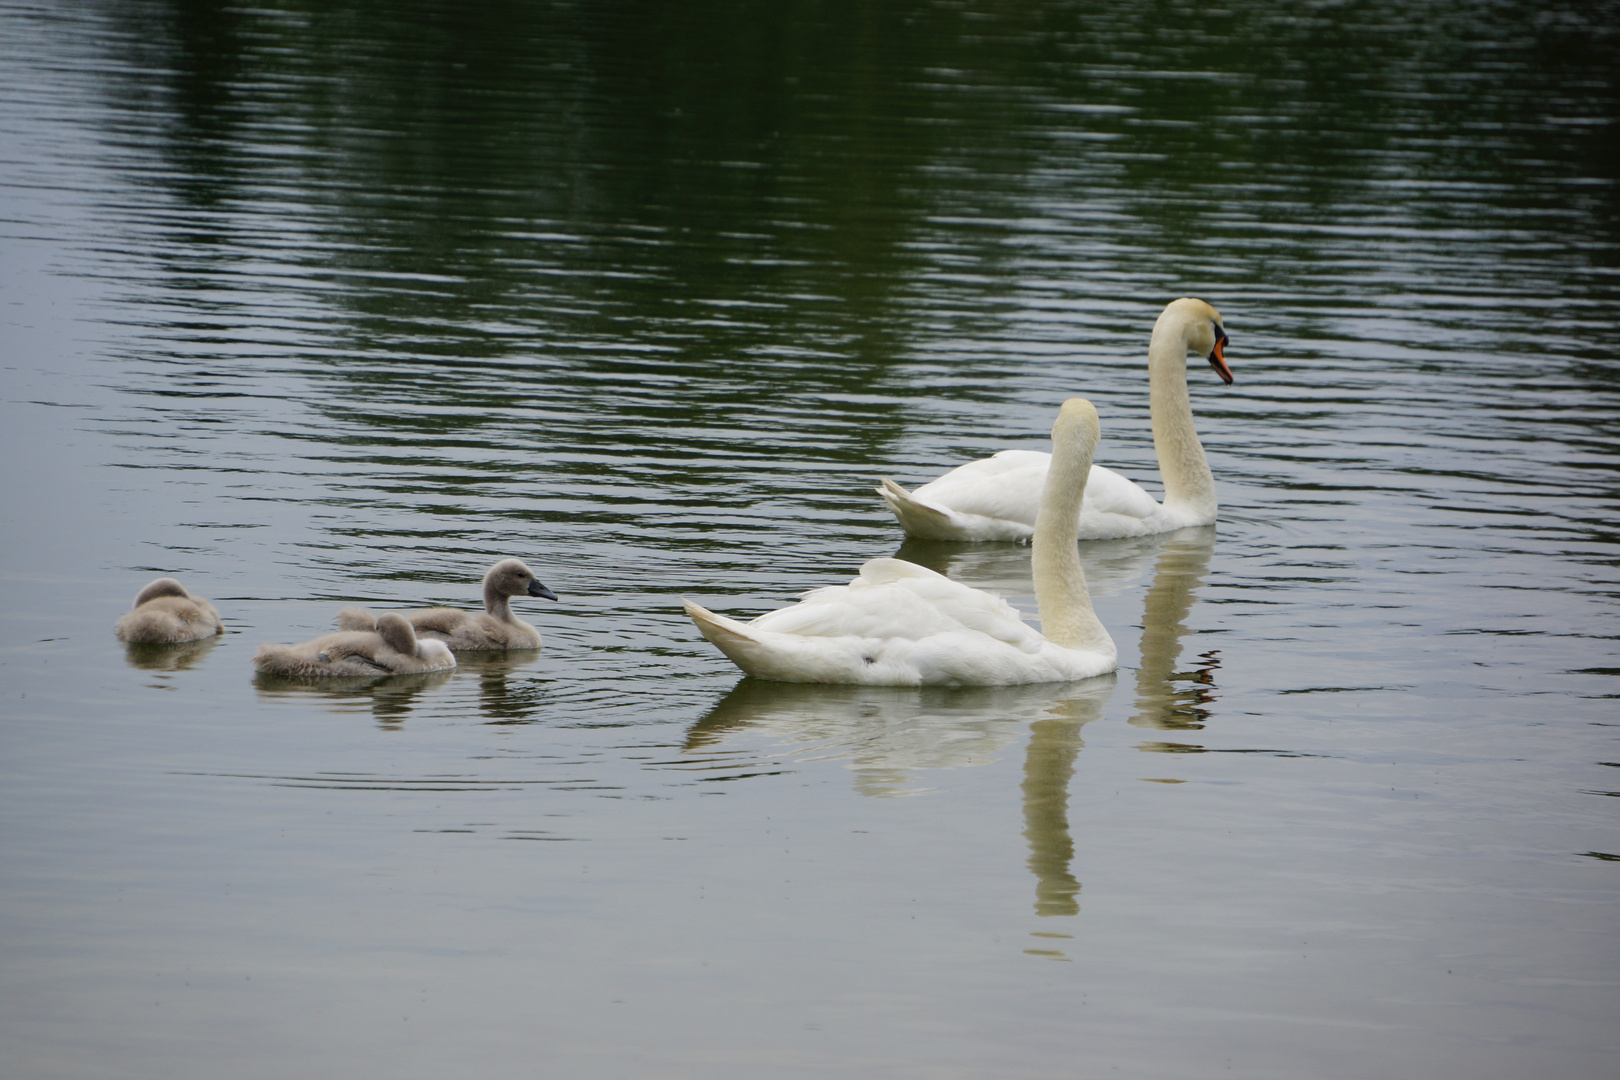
[
  {"x": 1060, "y": 582},
  {"x": 1188, "y": 483},
  {"x": 496, "y": 602}
]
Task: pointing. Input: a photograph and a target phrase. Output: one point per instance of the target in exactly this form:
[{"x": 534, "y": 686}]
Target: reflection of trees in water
[
  {"x": 392, "y": 698},
  {"x": 754, "y": 212}
]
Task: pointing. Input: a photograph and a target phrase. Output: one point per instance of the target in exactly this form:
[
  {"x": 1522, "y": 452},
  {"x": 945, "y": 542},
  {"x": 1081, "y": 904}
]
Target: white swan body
[
  {"x": 165, "y": 613},
  {"x": 391, "y": 649},
  {"x": 997, "y": 498},
  {"x": 899, "y": 624},
  {"x": 470, "y": 631}
]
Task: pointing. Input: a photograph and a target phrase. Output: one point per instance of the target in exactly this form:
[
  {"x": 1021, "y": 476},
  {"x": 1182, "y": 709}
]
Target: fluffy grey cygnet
[
  {"x": 391, "y": 649},
  {"x": 164, "y": 613},
  {"x": 471, "y": 631}
]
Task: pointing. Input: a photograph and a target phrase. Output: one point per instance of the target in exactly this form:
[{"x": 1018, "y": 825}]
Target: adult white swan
[
  {"x": 996, "y": 498},
  {"x": 899, "y": 624}
]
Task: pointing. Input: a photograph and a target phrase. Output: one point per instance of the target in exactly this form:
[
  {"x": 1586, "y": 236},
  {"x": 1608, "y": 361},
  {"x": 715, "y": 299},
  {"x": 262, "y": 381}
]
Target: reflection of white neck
[
  {"x": 1189, "y": 487},
  {"x": 1060, "y": 582}
]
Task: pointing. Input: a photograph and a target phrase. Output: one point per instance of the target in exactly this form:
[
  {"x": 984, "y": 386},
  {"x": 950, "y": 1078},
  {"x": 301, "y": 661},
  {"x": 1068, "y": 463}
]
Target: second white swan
[
  {"x": 899, "y": 624},
  {"x": 997, "y": 498}
]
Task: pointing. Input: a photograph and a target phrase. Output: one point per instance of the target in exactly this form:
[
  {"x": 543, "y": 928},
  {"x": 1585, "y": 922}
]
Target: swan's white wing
[
  {"x": 1108, "y": 492},
  {"x": 961, "y": 606},
  {"x": 1006, "y": 486},
  {"x": 895, "y": 600},
  {"x": 896, "y": 624}
]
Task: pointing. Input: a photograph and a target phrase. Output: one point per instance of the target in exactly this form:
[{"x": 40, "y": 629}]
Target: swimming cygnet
[
  {"x": 391, "y": 649},
  {"x": 164, "y": 613},
  {"x": 493, "y": 628}
]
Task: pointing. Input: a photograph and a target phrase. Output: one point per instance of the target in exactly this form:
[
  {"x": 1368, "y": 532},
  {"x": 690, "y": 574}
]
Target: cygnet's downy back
[
  {"x": 164, "y": 613},
  {"x": 391, "y": 649}
]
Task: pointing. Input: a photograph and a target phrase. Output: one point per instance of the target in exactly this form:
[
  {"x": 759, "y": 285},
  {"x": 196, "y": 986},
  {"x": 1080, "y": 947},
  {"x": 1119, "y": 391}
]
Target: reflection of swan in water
[
  {"x": 1054, "y": 743},
  {"x": 1159, "y": 703},
  {"x": 1111, "y": 566},
  {"x": 889, "y": 733},
  {"x": 500, "y": 699},
  {"x": 153, "y": 656},
  {"x": 391, "y": 697}
]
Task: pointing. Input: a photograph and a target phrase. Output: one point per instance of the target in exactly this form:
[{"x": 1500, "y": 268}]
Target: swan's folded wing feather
[
  {"x": 1006, "y": 485},
  {"x": 979, "y": 612},
  {"x": 1110, "y": 493},
  {"x": 857, "y": 611},
  {"x": 971, "y": 607},
  {"x": 892, "y": 599}
]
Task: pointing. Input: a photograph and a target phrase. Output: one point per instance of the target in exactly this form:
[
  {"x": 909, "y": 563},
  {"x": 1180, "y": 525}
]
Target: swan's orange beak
[{"x": 1217, "y": 357}]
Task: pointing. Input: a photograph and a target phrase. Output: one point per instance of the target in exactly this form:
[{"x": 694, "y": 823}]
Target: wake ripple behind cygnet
[
  {"x": 165, "y": 613},
  {"x": 391, "y": 649}
]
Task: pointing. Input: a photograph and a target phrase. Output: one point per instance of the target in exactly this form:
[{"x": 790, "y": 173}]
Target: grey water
[{"x": 319, "y": 303}]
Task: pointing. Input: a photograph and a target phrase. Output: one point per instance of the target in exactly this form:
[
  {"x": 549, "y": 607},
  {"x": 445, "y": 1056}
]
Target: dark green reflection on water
[
  {"x": 640, "y": 188},
  {"x": 663, "y": 262}
]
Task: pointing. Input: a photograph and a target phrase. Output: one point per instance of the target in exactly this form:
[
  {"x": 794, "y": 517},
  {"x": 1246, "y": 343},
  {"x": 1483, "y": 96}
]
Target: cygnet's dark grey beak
[{"x": 537, "y": 589}]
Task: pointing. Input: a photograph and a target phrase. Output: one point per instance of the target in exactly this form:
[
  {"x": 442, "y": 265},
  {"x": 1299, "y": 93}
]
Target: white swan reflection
[
  {"x": 891, "y": 735},
  {"x": 1167, "y": 699},
  {"x": 1111, "y": 565},
  {"x": 888, "y": 735}
]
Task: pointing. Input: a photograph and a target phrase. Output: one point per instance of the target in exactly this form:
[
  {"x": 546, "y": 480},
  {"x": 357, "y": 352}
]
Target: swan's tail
[
  {"x": 916, "y": 517},
  {"x": 355, "y": 618},
  {"x": 727, "y": 635}
]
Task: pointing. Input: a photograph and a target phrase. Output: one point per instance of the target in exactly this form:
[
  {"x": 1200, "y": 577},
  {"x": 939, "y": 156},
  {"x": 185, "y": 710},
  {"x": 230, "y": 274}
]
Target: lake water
[{"x": 317, "y": 303}]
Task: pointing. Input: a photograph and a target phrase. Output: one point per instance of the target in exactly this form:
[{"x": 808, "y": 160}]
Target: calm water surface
[{"x": 309, "y": 304}]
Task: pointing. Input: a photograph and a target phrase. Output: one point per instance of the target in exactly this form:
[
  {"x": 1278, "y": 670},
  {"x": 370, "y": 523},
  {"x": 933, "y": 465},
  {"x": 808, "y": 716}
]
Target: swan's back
[
  {"x": 896, "y": 624},
  {"x": 998, "y": 498}
]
